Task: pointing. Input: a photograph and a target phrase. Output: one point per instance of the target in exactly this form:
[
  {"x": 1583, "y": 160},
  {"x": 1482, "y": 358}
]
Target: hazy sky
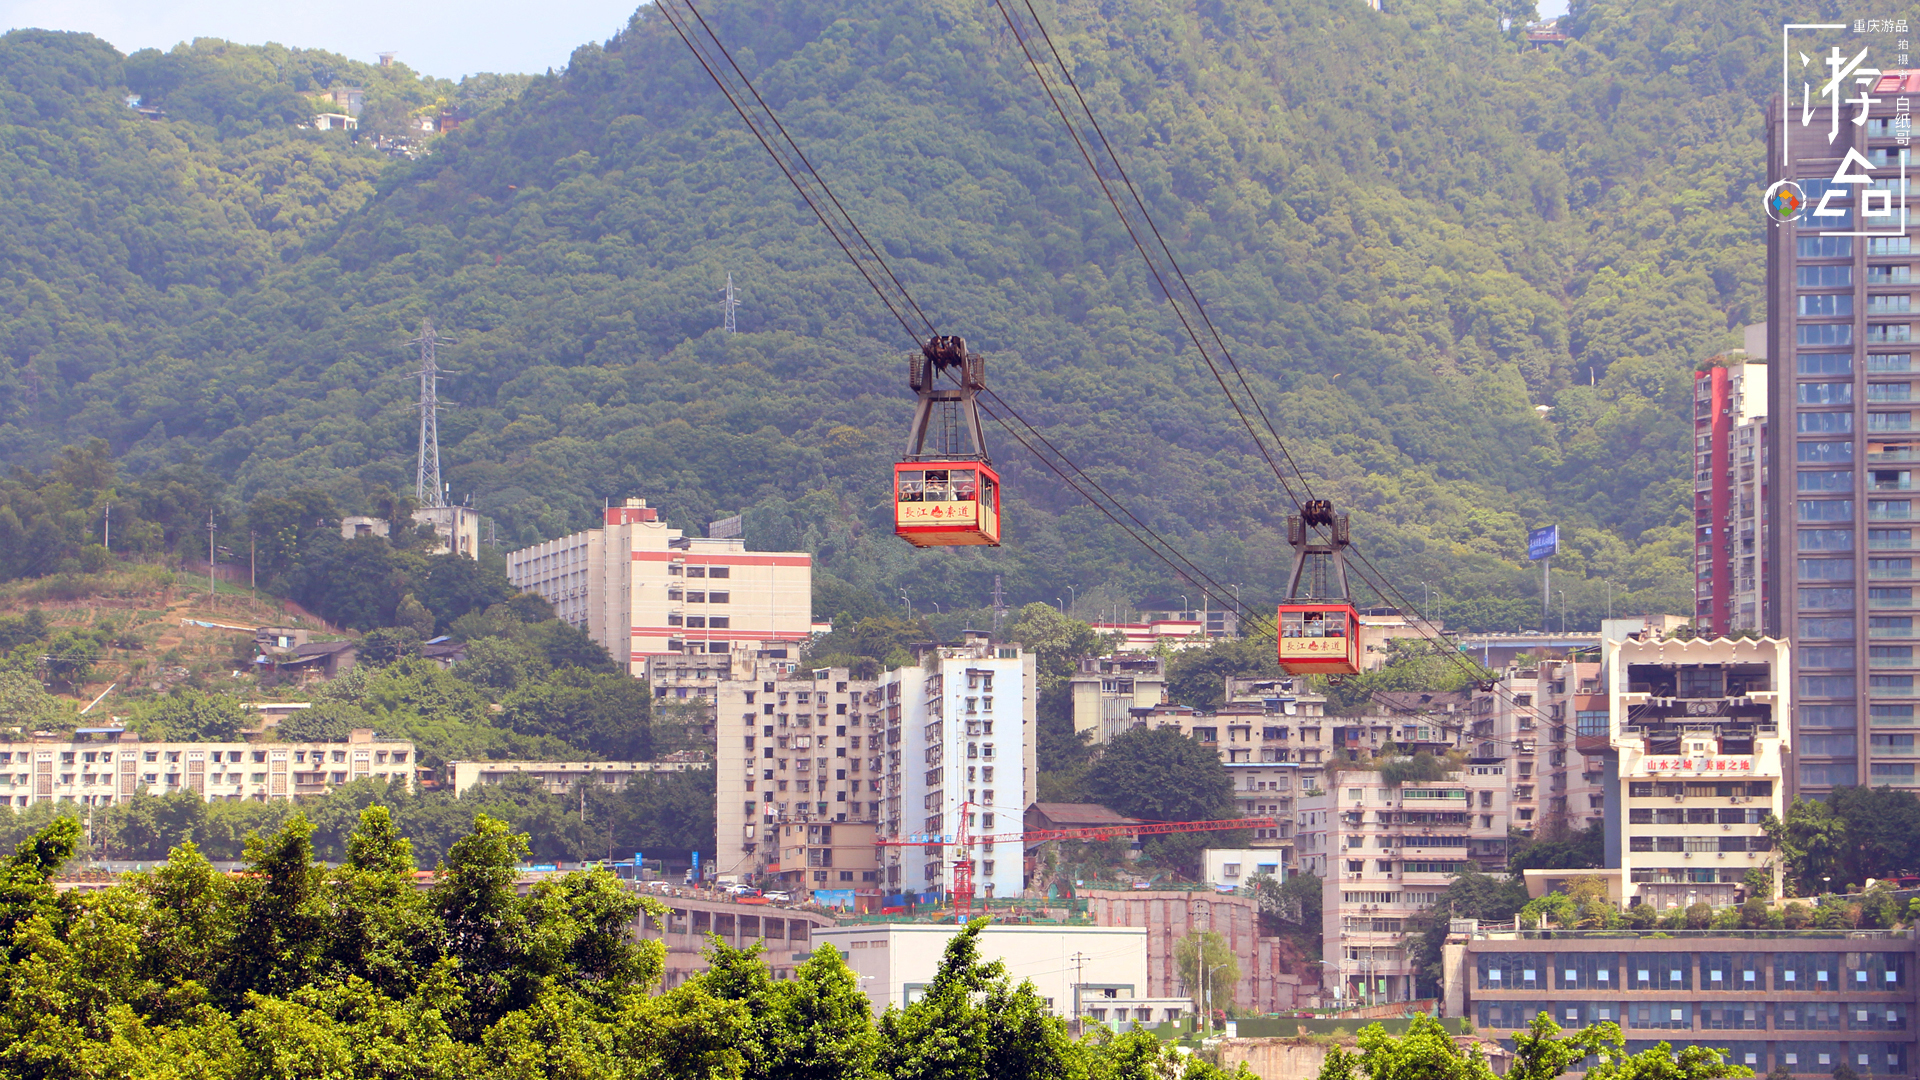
[{"x": 434, "y": 37}]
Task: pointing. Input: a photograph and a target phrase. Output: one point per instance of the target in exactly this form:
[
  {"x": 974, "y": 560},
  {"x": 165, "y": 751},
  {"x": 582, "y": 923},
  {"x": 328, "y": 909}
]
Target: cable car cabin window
[
  {"x": 1319, "y": 639},
  {"x": 1313, "y": 624},
  {"x": 949, "y": 506}
]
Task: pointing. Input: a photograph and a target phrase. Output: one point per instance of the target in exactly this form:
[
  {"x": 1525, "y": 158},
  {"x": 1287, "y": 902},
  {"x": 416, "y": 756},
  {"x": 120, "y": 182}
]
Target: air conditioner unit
[
  {"x": 1679, "y": 798},
  {"x": 1688, "y": 854}
]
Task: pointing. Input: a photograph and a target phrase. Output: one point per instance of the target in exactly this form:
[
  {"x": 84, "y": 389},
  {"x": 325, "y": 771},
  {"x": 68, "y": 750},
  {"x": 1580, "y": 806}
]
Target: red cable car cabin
[
  {"x": 1319, "y": 639},
  {"x": 946, "y": 504}
]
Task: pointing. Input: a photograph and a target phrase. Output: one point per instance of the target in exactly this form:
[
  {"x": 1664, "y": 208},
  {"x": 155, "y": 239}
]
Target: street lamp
[
  {"x": 1075, "y": 593},
  {"x": 1563, "y": 609},
  {"x": 1338, "y": 970},
  {"x": 909, "y": 600},
  {"x": 1183, "y": 605},
  {"x": 936, "y": 607}
]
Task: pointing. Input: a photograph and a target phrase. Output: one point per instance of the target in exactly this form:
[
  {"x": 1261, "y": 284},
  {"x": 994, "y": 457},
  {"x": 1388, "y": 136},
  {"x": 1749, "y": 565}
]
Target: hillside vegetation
[{"x": 1413, "y": 229}]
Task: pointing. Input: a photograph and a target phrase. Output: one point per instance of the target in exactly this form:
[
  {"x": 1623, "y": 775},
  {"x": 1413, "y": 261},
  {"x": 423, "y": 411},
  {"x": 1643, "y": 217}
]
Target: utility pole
[
  {"x": 106, "y": 527},
  {"x": 253, "y": 563},
  {"x": 999, "y": 605},
  {"x": 1079, "y": 978},
  {"x": 210, "y": 554},
  {"x": 428, "y": 490},
  {"x": 729, "y": 305}
]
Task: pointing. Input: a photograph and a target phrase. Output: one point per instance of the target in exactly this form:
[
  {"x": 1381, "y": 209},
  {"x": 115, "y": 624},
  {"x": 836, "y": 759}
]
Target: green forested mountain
[{"x": 1413, "y": 229}]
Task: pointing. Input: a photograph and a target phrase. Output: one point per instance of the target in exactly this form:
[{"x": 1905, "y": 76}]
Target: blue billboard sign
[{"x": 1543, "y": 543}]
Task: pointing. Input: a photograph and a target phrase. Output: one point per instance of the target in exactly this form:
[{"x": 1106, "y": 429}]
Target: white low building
[
  {"x": 1073, "y": 968},
  {"x": 560, "y": 776},
  {"x": 1235, "y": 868}
]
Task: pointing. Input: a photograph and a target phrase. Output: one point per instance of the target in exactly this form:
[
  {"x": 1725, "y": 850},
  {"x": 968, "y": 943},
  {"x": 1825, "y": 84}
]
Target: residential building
[
  {"x": 1506, "y": 723},
  {"x": 960, "y": 745},
  {"x": 104, "y": 766},
  {"x": 559, "y": 777},
  {"x": 1386, "y": 850},
  {"x": 1072, "y": 967},
  {"x": 1235, "y": 868},
  {"x": 642, "y": 589},
  {"x": 799, "y": 781},
  {"x": 1699, "y": 753},
  {"x": 456, "y": 529},
  {"x": 1839, "y": 564},
  {"x": 1177, "y": 630},
  {"x": 1108, "y": 691},
  {"x": 1572, "y": 784},
  {"x": 1379, "y": 626},
  {"x": 1806, "y": 1002},
  {"x": 1729, "y": 492}
]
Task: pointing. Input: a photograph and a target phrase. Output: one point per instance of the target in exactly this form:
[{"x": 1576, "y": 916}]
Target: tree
[
  {"x": 1585, "y": 849},
  {"x": 485, "y": 929},
  {"x": 24, "y": 703},
  {"x": 388, "y": 644},
  {"x": 413, "y": 615},
  {"x": 381, "y": 930},
  {"x": 193, "y": 716},
  {"x": 1812, "y": 841},
  {"x": 281, "y": 915},
  {"x": 973, "y": 1023},
  {"x": 1158, "y": 774},
  {"x": 1210, "y": 971},
  {"x": 1426, "y": 1050},
  {"x": 1197, "y": 676}
]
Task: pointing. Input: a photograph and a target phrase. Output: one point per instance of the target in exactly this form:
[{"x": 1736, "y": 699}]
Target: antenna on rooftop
[
  {"x": 427, "y": 487},
  {"x": 729, "y": 305}
]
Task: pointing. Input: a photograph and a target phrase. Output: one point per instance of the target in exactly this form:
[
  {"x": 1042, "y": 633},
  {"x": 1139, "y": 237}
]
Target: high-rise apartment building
[
  {"x": 798, "y": 777},
  {"x": 1840, "y": 563},
  {"x": 1385, "y": 849},
  {"x": 642, "y": 589},
  {"x": 1730, "y": 480},
  {"x": 813, "y": 767},
  {"x": 960, "y": 741}
]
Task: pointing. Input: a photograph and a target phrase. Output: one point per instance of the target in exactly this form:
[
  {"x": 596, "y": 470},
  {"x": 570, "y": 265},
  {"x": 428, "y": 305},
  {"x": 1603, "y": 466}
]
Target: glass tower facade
[{"x": 1844, "y": 448}]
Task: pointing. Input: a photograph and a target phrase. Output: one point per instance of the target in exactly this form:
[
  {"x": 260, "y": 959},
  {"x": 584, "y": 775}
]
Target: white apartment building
[
  {"x": 799, "y": 777},
  {"x": 960, "y": 745},
  {"x": 106, "y": 766},
  {"x": 1235, "y": 868},
  {"x": 1696, "y": 727},
  {"x": 1386, "y": 852},
  {"x": 642, "y": 589}
]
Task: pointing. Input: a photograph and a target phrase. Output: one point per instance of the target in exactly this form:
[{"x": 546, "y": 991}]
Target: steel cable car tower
[
  {"x": 946, "y": 494},
  {"x": 1319, "y": 626}
]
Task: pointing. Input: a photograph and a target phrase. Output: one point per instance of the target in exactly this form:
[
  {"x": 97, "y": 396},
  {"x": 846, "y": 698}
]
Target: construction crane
[{"x": 962, "y": 843}]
